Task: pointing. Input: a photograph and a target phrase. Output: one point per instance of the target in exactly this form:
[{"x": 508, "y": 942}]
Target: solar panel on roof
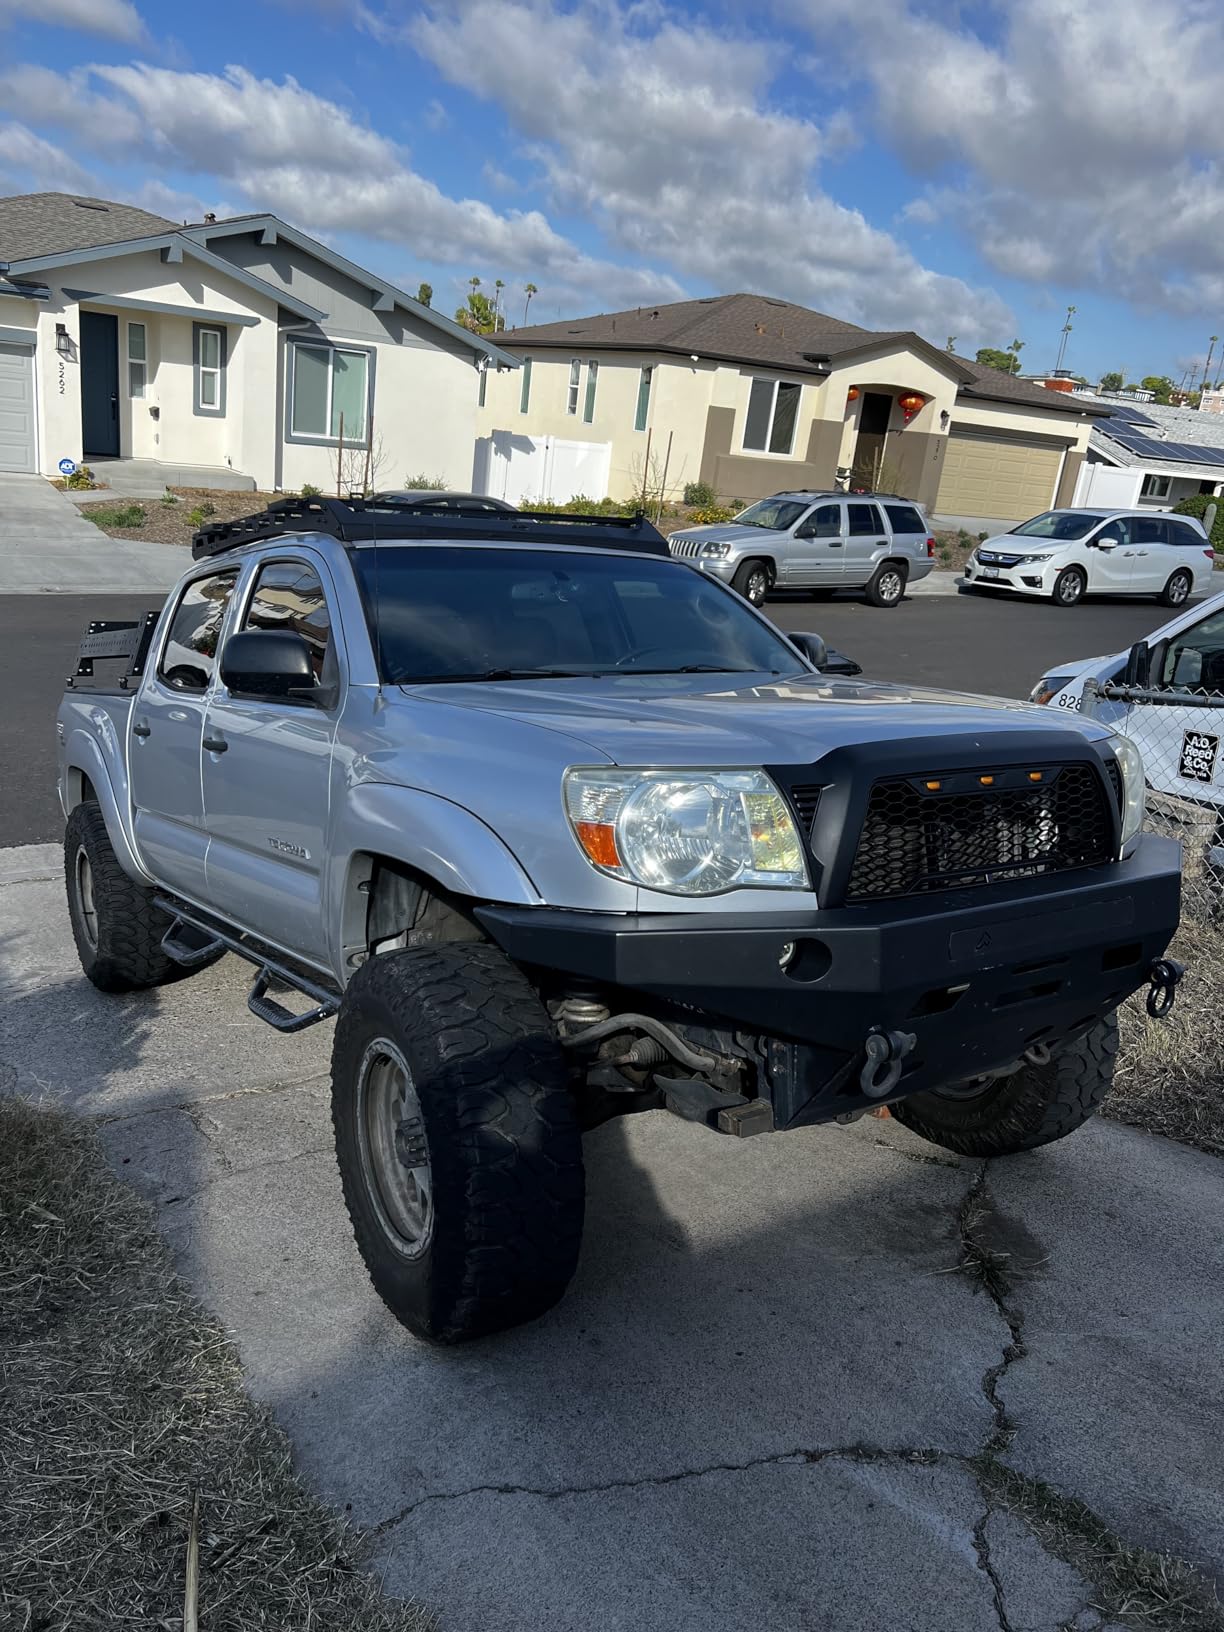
[{"x": 1134, "y": 440}]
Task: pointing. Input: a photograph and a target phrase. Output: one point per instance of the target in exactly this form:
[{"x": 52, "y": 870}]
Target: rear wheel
[
  {"x": 887, "y": 586},
  {"x": 1070, "y": 586},
  {"x": 117, "y": 929},
  {"x": 752, "y": 580},
  {"x": 1033, "y": 1106},
  {"x": 1177, "y": 591},
  {"x": 457, "y": 1139}
]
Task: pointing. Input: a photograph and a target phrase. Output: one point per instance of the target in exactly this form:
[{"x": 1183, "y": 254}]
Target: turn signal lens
[
  {"x": 933, "y": 787},
  {"x": 1034, "y": 776},
  {"x": 986, "y": 781},
  {"x": 598, "y": 839}
]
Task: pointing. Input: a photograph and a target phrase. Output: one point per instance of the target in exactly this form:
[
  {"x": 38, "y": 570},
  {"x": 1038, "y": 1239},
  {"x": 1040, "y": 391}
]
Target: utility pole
[
  {"x": 1066, "y": 330},
  {"x": 1207, "y": 364}
]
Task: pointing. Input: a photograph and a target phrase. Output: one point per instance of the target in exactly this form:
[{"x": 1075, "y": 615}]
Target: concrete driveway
[
  {"x": 774, "y": 1397},
  {"x": 47, "y": 547}
]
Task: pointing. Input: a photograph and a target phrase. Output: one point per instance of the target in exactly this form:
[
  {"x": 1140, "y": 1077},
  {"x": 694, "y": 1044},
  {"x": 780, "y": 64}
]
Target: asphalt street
[{"x": 972, "y": 643}]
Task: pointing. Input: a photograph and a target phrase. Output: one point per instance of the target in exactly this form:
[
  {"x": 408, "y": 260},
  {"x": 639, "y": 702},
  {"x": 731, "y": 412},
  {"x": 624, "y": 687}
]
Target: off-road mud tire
[{"x": 121, "y": 952}]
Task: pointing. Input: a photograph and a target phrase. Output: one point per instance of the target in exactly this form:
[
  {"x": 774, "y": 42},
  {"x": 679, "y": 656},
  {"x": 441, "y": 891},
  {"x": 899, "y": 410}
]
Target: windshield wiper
[
  {"x": 697, "y": 668},
  {"x": 500, "y": 674}
]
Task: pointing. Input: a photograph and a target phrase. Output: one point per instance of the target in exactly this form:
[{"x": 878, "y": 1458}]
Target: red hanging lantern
[
  {"x": 911, "y": 402},
  {"x": 853, "y": 394}
]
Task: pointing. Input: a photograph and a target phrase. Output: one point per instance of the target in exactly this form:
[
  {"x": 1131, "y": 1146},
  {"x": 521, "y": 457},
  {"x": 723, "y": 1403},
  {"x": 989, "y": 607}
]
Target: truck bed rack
[
  {"x": 126, "y": 641},
  {"x": 355, "y": 521}
]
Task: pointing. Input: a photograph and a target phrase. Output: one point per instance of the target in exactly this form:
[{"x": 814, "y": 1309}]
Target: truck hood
[
  {"x": 687, "y": 720},
  {"x": 726, "y": 532}
]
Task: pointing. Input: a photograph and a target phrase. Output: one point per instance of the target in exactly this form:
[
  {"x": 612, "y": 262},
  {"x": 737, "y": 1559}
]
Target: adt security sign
[{"x": 67, "y": 467}]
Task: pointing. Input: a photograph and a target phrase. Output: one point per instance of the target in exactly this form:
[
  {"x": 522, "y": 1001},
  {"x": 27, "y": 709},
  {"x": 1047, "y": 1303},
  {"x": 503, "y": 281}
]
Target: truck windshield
[
  {"x": 446, "y": 613},
  {"x": 775, "y": 514}
]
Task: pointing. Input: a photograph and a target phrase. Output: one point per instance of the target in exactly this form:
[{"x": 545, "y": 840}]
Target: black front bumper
[{"x": 977, "y": 975}]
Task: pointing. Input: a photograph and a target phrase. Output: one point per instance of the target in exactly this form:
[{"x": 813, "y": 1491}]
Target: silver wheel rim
[
  {"x": 393, "y": 1149},
  {"x": 757, "y": 585},
  {"x": 85, "y": 898},
  {"x": 1179, "y": 588},
  {"x": 892, "y": 586},
  {"x": 1069, "y": 589}
]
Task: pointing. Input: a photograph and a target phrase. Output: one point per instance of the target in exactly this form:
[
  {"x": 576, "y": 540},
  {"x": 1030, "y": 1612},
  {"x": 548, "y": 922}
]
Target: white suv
[{"x": 1067, "y": 554}]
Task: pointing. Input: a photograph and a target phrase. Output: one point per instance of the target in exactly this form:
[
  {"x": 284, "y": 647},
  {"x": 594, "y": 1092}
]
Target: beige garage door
[{"x": 997, "y": 477}]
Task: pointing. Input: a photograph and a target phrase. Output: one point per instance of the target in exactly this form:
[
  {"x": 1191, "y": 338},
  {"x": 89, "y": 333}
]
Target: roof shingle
[{"x": 34, "y": 224}]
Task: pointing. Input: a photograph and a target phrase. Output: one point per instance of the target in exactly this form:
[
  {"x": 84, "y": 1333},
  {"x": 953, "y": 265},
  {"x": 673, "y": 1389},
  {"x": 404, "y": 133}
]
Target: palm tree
[
  {"x": 529, "y": 289},
  {"x": 1016, "y": 347},
  {"x": 498, "y": 285}
]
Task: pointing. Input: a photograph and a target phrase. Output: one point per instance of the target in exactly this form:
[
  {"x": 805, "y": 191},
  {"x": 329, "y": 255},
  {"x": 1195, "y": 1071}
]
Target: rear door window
[
  {"x": 862, "y": 519},
  {"x": 189, "y": 655},
  {"x": 904, "y": 519}
]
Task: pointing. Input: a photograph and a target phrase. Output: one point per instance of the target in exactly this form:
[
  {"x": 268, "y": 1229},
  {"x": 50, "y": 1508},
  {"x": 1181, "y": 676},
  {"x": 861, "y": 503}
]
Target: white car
[
  {"x": 1181, "y": 736},
  {"x": 1067, "y": 554}
]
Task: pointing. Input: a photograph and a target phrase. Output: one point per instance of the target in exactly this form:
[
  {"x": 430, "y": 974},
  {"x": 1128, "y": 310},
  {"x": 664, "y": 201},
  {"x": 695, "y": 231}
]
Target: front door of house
[
  {"x": 100, "y": 385},
  {"x": 872, "y": 436}
]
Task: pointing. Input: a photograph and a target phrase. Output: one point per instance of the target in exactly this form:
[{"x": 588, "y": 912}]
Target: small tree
[
  {"x": 1160, "y": 385},
  {"x": 529, "y": 289},
  {"x": 1007, "y": 362},
  {"x": 425, "y": 293},
  {"x": 480, "y": 314},
  {"x": 951, "y": 345},
  {"x": 355, "y": 469},
  {"x": 1111, "y": 381}
]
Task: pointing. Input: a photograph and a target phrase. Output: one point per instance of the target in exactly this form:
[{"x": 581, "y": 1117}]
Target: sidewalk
[{"x": 48, "y": 548}]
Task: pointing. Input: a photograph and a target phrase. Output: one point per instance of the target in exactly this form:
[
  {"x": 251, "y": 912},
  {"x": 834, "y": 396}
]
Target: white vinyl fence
[{"x": 519, "y": 468}]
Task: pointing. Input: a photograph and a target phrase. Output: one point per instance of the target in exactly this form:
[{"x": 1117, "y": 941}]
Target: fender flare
[{"x": 82, "y": 754}]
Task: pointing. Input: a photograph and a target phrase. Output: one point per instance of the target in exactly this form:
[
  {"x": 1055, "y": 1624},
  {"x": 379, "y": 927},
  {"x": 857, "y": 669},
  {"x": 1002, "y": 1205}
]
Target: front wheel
[
  {"x": 457, "y": 1139},
  {"x": 887, "y": 586},
  {"x": 752, "y": 581},
  {"x": 1033, "y": 1106},
  {"x": 1177, "y": 591},
  {"x": 1070, "y": 586}
]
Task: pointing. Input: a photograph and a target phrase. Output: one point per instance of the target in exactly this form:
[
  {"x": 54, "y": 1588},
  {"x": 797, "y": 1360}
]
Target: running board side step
[{"x": 193, "y": 940}]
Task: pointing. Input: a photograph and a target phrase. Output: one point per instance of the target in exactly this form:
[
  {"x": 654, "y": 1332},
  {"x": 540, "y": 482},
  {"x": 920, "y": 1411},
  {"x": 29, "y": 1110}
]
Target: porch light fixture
[
  {"x": 945, "y": 419},
  {"x": 63, "y": 340},
  {"x": 911, "y": 402},
  {"x": 853, "y": 394}
]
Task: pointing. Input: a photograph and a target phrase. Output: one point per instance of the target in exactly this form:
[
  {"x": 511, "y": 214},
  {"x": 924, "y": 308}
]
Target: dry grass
[
  {"x": 1170, "y": 1076},
  {"x": 123, "y": 1407}
]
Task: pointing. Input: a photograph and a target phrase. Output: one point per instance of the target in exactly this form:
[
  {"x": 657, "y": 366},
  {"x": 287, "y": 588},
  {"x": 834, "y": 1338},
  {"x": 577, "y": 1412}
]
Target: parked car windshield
[
  {"x": 776, "y": 514},
  {"x": 453, "y": 613},
  {"x": 1059, "y": 524}
]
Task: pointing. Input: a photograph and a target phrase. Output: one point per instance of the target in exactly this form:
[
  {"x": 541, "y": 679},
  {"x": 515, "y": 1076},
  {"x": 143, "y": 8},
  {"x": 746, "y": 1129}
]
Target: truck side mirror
[
  {"x": 812, "y": 647},
  {"x": 268, "y": 663},
  {"x": 1138, "y": 664}
]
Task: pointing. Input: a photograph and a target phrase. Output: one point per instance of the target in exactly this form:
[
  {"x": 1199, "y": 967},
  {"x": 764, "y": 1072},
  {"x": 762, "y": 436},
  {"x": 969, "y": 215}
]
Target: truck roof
[{"x": 364, "y": 521}]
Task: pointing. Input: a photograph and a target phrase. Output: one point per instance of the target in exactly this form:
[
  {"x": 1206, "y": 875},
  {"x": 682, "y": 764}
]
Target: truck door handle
[
  {"x": 835, "y": 543},
  {"x": 141, "y": 728},
  {"x": 216, "y": 745}
]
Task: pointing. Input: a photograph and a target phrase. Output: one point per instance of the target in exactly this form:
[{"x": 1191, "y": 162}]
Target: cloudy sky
[{"x": 964, "y": 169}]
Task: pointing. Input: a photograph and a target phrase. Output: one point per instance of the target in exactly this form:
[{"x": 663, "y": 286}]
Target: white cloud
[
  {"x": 660, "y": 131},
  {"x": 113, "y": 19},
  {"x": 1088, "y": 134},
  {"x": 435, "y": 115},
  {"x": 29, "y": 163}
]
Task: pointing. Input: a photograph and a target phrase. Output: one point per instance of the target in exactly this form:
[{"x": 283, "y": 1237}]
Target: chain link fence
[{"x": 1171, "y": 1072}]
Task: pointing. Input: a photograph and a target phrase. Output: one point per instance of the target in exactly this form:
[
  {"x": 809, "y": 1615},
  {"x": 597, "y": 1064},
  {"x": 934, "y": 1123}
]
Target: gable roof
[
  {"x": 387, "y": 296},
  {"x": 757, "y": 329},
  {"x": 33, "y": 224}
]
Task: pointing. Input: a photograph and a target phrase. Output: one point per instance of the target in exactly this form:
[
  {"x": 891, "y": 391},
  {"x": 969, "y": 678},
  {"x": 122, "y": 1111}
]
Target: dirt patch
[
  {"x": 164, "y": 522},
  {"x": 123, "y": 1412}
]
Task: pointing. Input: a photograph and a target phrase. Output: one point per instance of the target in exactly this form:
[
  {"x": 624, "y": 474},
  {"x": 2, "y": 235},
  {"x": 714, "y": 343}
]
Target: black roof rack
[{"x": 355, "y": 521}]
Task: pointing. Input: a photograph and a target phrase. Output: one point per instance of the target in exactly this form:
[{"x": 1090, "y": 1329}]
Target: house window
[
  {"x": 1155, "y": 487},
  {"x": 525, "y": 387},
  {"x": 484, "y": 387},
  {"x": 208, "y": 350},
  {"x": 138, "y": 359},
  {"x": 773, "y": 410},
  {"x": 588, "y": 409},
  {"x": 575, "y": 380},
  {"x": 643, "y": 400},
  {"x": 330, "y": 394}
]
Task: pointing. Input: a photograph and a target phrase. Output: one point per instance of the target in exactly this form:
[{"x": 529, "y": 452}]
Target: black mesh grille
[{"x": 962, "y": 833}]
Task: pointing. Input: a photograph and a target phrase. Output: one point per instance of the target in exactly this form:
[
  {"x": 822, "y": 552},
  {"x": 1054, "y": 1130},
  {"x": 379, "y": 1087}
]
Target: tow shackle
[
  {"x": 1166, "y": 975},
  {"x": 885, "y": 1051}
]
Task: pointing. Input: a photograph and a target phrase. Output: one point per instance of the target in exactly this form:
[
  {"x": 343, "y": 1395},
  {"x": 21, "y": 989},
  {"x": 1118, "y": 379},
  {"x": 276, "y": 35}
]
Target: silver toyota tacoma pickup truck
[{"x": 559, "y": 827}]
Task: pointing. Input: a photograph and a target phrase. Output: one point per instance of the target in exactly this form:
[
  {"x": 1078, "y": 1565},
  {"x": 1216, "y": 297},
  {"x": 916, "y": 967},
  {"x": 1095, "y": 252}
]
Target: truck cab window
[
  {"x": 190, "y": 653},
  {"x": 289, "y": 595}
]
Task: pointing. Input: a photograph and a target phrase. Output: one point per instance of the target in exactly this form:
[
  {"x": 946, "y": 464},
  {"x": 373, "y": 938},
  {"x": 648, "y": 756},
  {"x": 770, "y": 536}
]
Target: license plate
[
  {"x": 1198, "y": 756},
  {"x": 989, "y": 572}
]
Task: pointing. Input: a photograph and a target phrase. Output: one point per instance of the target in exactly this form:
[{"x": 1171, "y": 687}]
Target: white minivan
[{"x": 1067, "y": 554}]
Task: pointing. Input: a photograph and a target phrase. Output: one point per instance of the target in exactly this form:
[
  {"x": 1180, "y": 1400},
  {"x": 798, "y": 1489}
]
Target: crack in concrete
[
  {"x": 924, "y": 1456},
  {"x": 189, "y": 1106},
  {"x": 241, "y": 1173}
]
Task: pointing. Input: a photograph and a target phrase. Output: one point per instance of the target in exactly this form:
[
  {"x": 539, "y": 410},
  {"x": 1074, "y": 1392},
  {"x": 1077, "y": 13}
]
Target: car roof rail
[{"x": 363, "y": 521}]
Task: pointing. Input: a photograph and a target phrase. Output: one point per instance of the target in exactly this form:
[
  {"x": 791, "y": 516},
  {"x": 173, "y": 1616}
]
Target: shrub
[
  {"x": 116, "y": 515},
  {"x": 168, "y": 498},
  {"x": 1196, "y": 505},
  {"x": 201, "y": 513},
  {"x": 422, "y": 483},
  {"x": 82, "y": 476},
  {"x": 706, "y": 515},
  {"x": 309, "y": 491},
  {"x": 700, "y": 493}
]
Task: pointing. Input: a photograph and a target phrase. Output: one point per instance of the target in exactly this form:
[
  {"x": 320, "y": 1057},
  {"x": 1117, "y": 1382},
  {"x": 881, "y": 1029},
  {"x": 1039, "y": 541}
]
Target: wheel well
[
  {"x": 80, "y": 790},
  {"x": 389, "y": 905},
  {"x": 765, "y": 561}
]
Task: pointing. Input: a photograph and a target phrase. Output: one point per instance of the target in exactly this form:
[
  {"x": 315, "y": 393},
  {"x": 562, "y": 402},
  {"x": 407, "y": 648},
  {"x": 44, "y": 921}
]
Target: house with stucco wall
[
  {"x": 754, "y": 395},
  {"x": 241, "y": 347}
]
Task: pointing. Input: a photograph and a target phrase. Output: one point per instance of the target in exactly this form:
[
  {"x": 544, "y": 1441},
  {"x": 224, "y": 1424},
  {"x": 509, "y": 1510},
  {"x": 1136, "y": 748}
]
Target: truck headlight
[
  {"x": 1134, "y": 783},
  {"x": 716, "y": 549},
  {"x": 686, "y": 832}
]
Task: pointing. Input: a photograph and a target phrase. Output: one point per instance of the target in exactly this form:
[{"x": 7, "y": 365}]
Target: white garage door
[
  {"x": 996, "y": 476},
  {"x": 16, "y": 408}
]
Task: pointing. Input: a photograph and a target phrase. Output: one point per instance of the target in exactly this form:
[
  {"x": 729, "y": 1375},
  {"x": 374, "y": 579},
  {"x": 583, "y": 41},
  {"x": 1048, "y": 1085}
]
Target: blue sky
[{"x": 966, "y": 170}]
